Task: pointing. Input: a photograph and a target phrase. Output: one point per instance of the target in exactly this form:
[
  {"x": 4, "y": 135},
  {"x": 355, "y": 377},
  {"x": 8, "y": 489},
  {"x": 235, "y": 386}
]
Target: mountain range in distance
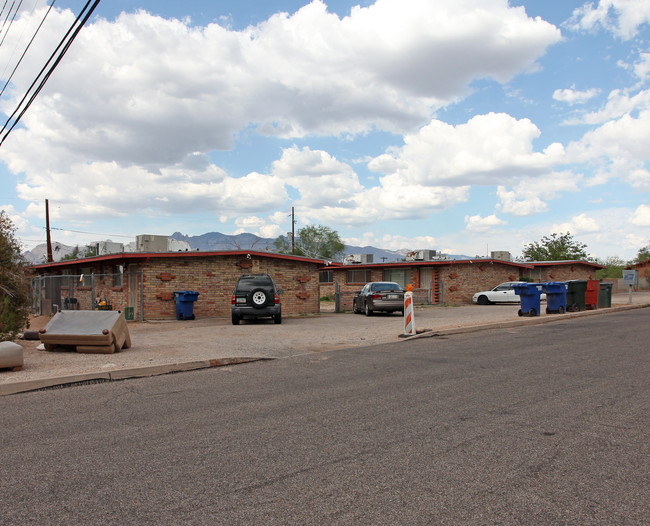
[{"x": 218, "y": 242}]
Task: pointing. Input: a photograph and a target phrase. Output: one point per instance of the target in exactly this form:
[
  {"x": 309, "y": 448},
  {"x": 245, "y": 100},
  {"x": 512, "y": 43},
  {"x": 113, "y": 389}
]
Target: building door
[
  {"x": 133, "y": 288},
  {"x": 430, "y": 279}
]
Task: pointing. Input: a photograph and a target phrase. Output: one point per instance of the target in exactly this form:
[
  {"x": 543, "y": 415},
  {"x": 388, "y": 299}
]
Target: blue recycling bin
[
  {"x": 529, "y": 293},
  {"x": 555, "y": 297},
  {"x": 185, "y": 304}
]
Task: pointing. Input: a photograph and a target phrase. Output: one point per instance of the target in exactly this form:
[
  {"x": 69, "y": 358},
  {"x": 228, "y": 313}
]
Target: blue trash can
[
  {"x": 529, "y": 293},
  {"x": 185, "y": 304},
  {"x": 555, "y": 297}
]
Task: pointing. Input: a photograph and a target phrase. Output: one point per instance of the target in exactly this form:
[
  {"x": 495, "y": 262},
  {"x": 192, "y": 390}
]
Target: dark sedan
[{"x": 385, "y": 296}]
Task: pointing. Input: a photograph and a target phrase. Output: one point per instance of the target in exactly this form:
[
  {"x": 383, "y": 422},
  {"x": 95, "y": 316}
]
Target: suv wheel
[
  {"x": 277, "y": 319},
  {"x": 259, "y": 298},
  {"x": 235, "y": 319}
]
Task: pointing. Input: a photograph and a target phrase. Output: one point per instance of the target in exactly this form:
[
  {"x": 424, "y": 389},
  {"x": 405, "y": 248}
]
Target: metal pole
[{"x": 629, "y": 301}]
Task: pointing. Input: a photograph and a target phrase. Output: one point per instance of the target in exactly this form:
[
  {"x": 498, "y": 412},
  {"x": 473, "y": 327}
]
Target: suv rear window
[{"x": 249, "y": 283}]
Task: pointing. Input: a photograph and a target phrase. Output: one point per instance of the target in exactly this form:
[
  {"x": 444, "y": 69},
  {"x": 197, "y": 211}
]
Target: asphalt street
[{"x": 544, "y": 424}]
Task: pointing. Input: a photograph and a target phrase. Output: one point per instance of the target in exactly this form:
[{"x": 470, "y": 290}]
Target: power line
[
  {"x": 61, "y": 49},
  {"x": 27, "y": 48},
  {"x": 92, "y": 233},
  {"x": 12, "y": 22}
]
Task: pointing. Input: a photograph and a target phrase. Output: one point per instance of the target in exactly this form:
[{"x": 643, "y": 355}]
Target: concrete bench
[{"x": 11, "y": 356}]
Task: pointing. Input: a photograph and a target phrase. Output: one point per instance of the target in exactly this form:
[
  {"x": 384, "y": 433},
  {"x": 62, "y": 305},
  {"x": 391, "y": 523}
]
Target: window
[
  {"x": 358, "y": 276},
  {"x": 118, "y": 275},
  {"x": 326, "y": 276},
  {"x": 396, "y": 275}
]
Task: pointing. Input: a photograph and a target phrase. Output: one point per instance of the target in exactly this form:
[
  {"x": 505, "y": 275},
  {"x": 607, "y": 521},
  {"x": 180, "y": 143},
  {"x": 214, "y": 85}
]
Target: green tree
[
  {"x": 14, "y": 283},
  {"x": 314, "y": 241},
  {"x": 72, "y": 255},
  {"x": 557, "y": 247},
  {"x": 643, "y": 255},
  {"x": 88, "y": 252},
  {"x": 614, "y": 270}
]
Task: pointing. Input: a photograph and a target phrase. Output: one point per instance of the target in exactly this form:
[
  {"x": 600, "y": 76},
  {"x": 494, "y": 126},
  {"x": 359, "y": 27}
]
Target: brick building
[
  {"x": 446, "y": 281},
  {"x": 544, "y": 271},
  {"x": 145, "y": 282}
]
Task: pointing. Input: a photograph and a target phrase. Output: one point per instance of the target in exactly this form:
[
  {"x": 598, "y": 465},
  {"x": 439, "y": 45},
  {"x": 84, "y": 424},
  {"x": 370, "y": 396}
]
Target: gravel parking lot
[{"x": 170, "y": 343}]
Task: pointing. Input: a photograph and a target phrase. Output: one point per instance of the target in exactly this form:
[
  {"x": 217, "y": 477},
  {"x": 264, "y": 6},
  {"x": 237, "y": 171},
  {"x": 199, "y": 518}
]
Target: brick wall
[
  {"x": 459, "y": 280},
  {"x": 564, "y": 272},
  {"x": 214, "y": 278}
]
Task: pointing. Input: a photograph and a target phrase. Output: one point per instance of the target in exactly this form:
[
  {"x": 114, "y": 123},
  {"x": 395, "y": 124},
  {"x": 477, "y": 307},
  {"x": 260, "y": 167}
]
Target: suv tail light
[
  {"x": 277, "y": 299},
  {"x": 233, "y": 299}
]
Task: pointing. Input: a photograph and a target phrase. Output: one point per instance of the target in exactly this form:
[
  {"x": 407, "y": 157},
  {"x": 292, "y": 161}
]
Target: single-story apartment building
[
  {"x": 446, "y": 281},
  {"x": 143, "y": 284}
]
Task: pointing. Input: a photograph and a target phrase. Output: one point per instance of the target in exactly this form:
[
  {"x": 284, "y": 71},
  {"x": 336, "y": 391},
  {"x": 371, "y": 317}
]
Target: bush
[{"x": 14, "y": 284}]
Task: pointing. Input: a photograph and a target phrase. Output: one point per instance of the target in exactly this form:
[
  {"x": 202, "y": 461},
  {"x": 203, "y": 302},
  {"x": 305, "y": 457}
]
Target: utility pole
[
  {"x": 50, "y": 258},
  {"x": 293, "y": 231}
]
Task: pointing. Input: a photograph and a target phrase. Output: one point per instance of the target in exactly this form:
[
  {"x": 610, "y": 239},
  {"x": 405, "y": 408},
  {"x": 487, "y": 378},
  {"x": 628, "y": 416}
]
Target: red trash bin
[{"x": 591, "y": 296}]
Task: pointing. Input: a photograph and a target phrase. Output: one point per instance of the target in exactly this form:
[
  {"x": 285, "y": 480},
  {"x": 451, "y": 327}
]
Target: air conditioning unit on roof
[
  {"x": 358, "y": 259},
  {"x": 421, "y": 255}
]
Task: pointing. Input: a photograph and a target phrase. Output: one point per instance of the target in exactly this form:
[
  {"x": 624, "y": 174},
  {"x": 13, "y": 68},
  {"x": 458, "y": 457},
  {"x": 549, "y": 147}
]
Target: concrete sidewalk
[{"x": 172, "y": 346}]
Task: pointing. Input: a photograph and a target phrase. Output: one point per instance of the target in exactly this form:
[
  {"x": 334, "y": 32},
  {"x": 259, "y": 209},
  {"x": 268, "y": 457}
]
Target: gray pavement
[{"x": 172, "y": 346}]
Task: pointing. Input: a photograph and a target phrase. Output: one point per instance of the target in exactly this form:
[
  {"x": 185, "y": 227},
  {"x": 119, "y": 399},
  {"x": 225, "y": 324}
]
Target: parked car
[
  {"x": 385, "y": 296},
  {"x": 504, "y": 293},
  {"x": 255, "y": 296}
]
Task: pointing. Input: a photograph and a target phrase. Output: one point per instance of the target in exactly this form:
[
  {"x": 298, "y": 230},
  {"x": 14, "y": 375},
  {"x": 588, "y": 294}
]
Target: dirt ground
[{"x": 177, "y": 342}]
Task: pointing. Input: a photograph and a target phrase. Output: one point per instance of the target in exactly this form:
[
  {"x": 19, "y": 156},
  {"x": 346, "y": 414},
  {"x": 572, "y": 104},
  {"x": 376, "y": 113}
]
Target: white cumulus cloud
[{"x": 621, "y": 17}]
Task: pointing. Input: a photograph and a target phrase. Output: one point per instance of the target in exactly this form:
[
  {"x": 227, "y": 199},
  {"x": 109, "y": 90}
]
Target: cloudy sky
[{"x": 465, "y": 126}]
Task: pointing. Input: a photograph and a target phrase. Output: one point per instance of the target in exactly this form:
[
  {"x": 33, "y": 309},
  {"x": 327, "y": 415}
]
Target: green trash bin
[
  {"x": 575, "y": 296},
  {"x": 128, "y": 313},
  {"x": 605, "y": 295}
]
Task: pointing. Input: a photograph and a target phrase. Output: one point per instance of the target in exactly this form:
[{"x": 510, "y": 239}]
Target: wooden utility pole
[
  {"x": 293, "y": 231},
  {"x": 50, "y": 258}
]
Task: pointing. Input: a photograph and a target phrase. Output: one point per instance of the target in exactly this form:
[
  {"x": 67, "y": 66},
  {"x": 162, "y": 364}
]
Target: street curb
[
  {"x": 121, "y": 374},
  {"x": 537, "y": 320},
  {"x": 157, "y": 370}
]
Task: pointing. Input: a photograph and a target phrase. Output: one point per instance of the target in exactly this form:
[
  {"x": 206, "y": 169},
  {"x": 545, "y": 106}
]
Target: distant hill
[{"x": 218, "y": 242}]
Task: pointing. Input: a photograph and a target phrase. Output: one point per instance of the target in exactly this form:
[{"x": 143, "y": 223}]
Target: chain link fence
[{"x": 51, "y": 294}]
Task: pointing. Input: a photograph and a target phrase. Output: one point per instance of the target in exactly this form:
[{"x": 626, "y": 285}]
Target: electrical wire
[
  {"x": 27, "y": 48},
  {"x": 61, "y": 49},
  {"x": 91, "y": 233},
  {"x": 12, "y": 20}
]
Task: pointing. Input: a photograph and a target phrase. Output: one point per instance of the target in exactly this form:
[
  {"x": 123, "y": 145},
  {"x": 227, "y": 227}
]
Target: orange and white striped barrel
[{"x": 409, "y": 315}]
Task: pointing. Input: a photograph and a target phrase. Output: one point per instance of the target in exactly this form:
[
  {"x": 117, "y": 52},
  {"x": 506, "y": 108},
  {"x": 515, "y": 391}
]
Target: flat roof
[
  {"x": 441, "y": 262},
  {"x": 135, "y": 257}
]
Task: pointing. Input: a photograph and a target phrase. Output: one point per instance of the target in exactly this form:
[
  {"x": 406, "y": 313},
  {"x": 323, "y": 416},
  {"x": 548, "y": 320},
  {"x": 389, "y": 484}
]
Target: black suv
[{"x": 255, "y": 297}]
